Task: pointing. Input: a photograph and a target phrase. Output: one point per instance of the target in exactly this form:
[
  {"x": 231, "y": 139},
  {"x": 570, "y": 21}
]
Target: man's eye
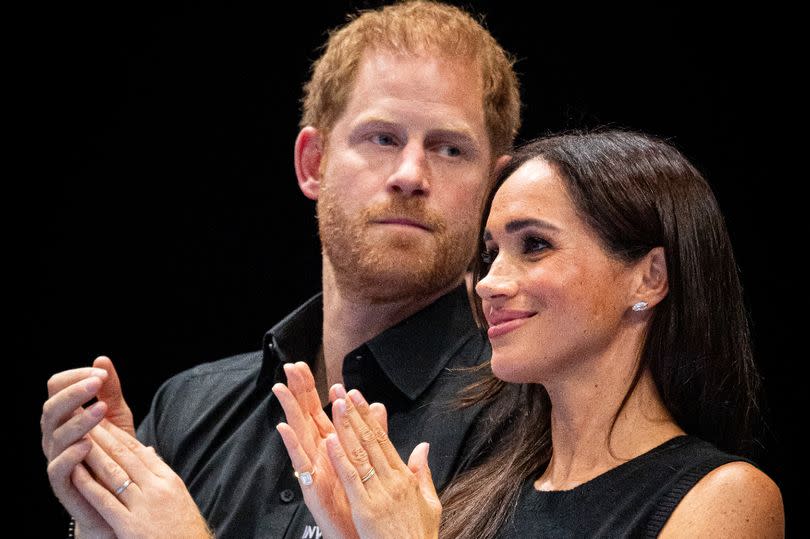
[
  {"x": 450, "y": 151},
  {"x": 488, "y": 256},
  {"x": 383, "y": 139}
]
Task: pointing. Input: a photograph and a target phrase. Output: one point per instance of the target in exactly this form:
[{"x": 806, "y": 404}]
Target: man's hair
[{"x": 416, "y": 27}]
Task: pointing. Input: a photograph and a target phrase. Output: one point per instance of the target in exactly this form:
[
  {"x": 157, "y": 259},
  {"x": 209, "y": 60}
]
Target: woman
[{"x": 623, "y": 365}]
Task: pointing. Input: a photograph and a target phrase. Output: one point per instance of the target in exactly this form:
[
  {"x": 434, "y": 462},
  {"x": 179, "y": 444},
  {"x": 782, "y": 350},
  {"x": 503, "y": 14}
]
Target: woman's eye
[
  {"x": 488, "y": 256},
  {"x": 532, "y": 244}
]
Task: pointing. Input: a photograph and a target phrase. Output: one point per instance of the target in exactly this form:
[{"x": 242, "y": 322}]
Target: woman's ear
[
  {"x": 653, "y": 281},
  {"x": 309, "y": 152}
]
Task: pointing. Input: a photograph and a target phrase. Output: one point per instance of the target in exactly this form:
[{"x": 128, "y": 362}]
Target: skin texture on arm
[{"x": 735, "y": 500}]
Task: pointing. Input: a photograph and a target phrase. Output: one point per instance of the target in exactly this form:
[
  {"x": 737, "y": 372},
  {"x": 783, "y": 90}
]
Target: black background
[{"x": 158, "y": 220}]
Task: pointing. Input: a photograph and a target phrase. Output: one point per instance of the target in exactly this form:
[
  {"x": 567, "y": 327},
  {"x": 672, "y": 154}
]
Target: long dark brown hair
[{"x": 636, "y": 192}]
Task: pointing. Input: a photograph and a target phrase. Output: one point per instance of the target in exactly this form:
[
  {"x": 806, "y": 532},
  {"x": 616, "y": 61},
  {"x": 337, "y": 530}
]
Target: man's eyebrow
[{"x": 519, "y": 224}]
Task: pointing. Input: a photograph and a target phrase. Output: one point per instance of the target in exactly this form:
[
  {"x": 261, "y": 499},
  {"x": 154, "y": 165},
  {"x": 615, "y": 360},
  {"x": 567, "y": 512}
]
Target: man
[{"x": 408, "y": 114}]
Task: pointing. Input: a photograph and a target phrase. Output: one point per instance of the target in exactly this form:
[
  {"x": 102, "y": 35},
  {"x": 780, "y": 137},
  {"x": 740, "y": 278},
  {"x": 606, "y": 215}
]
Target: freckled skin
[{"x": 579, "y": 292}]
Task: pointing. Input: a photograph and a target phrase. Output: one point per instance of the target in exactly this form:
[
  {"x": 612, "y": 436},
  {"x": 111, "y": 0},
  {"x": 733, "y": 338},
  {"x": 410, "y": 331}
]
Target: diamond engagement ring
[{"x": 305, "y": 477}]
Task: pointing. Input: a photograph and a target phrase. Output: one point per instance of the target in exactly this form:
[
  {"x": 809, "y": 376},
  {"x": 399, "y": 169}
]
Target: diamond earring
[{"x": 640, "y": 306}]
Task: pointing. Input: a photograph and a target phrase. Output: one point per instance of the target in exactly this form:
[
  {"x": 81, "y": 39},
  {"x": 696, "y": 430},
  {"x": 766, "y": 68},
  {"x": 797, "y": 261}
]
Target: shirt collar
[{"x": 411, "y": 354}]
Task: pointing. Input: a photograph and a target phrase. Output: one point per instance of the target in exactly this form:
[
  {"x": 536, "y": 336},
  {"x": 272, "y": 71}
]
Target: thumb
[
  {"x": 418, "y": 464},
  {"x": 118, "y": 411}
]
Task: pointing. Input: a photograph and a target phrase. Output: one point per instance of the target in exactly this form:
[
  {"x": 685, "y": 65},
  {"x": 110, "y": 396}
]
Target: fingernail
[
  {"x": 340, "y": 391},
  {"x": 96, "y": 410},
  {"x": 101, "y": 373},
  {"x": 92, "y": 384},
  {"x": 357, "y": 398},
  {"x": 340, "y": 404}
]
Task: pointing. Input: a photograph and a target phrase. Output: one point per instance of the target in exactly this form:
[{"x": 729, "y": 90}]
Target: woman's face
[{"x": 555, "y": 301}]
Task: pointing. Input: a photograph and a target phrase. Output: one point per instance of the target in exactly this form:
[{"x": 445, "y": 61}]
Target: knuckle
[
  {"x": 118, "y": 451},
  {"x": 380, "y": 434},
  {"x": 113, "y": 471},
  {"x": 359, "y": 455},
  {"x": 350, "y": 475},
  {"x": 367, "y": 435}
]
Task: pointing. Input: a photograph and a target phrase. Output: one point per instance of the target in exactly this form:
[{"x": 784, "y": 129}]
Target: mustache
[{"x": 411, "y": 208}]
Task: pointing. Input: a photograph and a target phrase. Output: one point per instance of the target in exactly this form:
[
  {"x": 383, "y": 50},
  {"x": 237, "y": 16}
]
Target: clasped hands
[
  {"x": 358, "y": 485},
  {"x": 110, "y": 483}
]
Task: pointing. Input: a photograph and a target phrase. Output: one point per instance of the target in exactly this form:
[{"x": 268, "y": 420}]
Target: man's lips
[
  {"x": 401, "y": 221},
  {"x": 503, "y": 321}
]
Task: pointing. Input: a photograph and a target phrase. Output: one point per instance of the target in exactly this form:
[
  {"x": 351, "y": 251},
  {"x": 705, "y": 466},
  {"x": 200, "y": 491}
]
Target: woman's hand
[
  {"x": 304, "y": 436},
  {"x": 134, "y": 491},
  {"x": 387, "y": 498}
]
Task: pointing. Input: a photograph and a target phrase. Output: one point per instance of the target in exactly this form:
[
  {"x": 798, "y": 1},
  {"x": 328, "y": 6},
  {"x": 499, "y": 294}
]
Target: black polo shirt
[{"x": 215, "y": 424}]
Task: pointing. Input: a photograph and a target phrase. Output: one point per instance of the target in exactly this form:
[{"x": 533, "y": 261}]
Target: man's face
[{"x": 405, "y": 170}]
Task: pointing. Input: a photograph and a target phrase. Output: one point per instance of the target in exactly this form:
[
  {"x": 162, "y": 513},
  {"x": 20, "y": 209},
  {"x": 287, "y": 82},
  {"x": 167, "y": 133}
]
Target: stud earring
[{"x": 640, "y": 306}]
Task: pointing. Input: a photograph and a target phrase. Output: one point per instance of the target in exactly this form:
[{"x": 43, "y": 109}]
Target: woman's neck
[{"x": 586, "y": 442}]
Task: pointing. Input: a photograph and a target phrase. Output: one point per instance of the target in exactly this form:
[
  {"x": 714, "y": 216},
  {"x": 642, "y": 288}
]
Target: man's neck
[{"x": 349, "y": 320}]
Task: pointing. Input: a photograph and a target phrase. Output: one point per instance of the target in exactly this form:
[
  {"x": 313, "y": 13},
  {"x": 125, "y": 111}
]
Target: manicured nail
[{"x": 340, "y": 404}]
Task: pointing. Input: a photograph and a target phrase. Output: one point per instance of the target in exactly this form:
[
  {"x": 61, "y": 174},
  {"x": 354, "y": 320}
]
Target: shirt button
[{"x": 286, "y": 495}]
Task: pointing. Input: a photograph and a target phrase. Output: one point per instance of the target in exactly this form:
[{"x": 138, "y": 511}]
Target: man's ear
[
  {"x": 653, "y": 281},
  {"x": 309, "y": 152},
  {"x": 501, "y": 162}
]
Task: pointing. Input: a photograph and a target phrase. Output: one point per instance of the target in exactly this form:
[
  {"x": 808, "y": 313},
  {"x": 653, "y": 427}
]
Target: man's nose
[{"x": 412, "y": 175}]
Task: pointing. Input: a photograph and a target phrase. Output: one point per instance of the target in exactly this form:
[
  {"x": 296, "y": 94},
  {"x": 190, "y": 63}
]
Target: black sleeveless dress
[{"x": 635, "y": 499}]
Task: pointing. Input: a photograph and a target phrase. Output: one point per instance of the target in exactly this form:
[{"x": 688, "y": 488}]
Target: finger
[
  {"x": 61, "y": 380},
  {"x": 60, "y": 470},
  {"x": 113, "y": 465},
  {"x": 303, "y": 387},
  {"x": 76, "y": 428},
  {"x": 64, "y": 404},
  {"x": 305, "y": 429},
  {"x": 346, "y": 472},
  {"x": 352, "y": 445},
  {"x": 111, "y": 509},
  {"x": 111, "y": 393},
  {"x": 337, "y": 391},
  {"x": 147, "y": 455},
  {"x": 373, "y": 436},
  {"x": 380, "y": 414},
  {"x": 298, "y": 457},
  {"x": 418, "y": 464}
]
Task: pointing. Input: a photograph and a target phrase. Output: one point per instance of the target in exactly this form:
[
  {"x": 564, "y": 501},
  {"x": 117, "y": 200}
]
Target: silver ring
[
  {"x": 371, "y": 473},
  {"x": 305, "y": 477},
  {"x": 123, "y": 487}
]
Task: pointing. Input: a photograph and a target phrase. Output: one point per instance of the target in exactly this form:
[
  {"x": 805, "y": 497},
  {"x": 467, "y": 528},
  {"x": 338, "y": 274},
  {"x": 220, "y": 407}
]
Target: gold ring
[{"x": 371, "y": 473}]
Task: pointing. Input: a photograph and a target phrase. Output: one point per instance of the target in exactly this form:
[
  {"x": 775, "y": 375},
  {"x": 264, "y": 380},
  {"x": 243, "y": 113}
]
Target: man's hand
[
  {"x": 134, "y": 491},
  {"x": 65, "y": 426}
]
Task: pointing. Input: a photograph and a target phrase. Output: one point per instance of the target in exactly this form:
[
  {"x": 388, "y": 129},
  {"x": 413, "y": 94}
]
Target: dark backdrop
[{"x": 160, "y": 222}]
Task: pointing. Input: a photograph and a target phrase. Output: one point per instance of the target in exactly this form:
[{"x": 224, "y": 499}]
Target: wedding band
[
  {"x": 123, "y": 487},
  {"x": 371, "y": 473},
  {"x": 305, "y": 477}
]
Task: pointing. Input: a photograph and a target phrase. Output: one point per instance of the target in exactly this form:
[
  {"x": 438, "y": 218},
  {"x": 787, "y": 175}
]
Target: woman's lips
[{"x": 504, "y": 323}]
